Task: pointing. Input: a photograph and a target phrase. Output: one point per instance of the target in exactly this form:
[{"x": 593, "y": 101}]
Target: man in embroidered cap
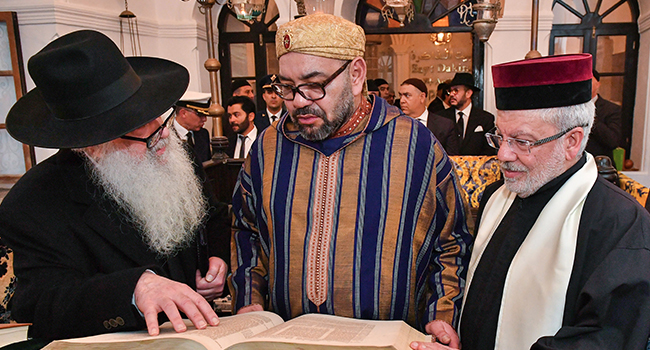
[
  {"x": 562, "y": 257},
  {"x": 115, "y": 229},
  {"x": 348, "y": 206},
  {"x": 191, "y": 113}
]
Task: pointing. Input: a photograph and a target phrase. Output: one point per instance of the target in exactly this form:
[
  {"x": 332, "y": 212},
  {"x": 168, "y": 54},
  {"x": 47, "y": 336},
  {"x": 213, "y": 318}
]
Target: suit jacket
[
  {"x": 78, "y": 258},
  {"x": 445, "y": 131},
  {"x": 607, "y": 132},
  {"x": 232, "y": 143},
  {"x": 202, "y": 147},
  {"x": 262, "y": 120},
  {"x": 479, "y": 122},
  {"x": 436, "y": 105}
]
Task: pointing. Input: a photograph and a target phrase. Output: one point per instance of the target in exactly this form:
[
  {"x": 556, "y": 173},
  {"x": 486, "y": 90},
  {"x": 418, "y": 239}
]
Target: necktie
[
  {"x": 273, "y": 118},
  {"x": 242, "y": 147},
  {"x": 460, "y": 125},
  {"x": 190, "y": 140}
]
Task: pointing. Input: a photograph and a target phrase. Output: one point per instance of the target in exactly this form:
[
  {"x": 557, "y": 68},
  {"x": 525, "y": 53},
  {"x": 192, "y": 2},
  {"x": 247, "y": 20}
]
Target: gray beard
[
  {"x": 161, "y": 195},
  {"x": 542, "y": 175},
  {"x": 341, "y": 113}
]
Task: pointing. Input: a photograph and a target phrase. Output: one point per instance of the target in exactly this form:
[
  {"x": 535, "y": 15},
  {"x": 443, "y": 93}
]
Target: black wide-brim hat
[
  {"x": 464, "y": 79},
  {"x": 88, "y": 93}
]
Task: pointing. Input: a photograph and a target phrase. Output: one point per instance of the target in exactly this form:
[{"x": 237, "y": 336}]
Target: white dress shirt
[{"x": 250, "y": 138}]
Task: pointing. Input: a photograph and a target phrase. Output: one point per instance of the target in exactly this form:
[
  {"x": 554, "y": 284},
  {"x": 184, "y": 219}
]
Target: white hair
[{"x": 565, "y": 118}]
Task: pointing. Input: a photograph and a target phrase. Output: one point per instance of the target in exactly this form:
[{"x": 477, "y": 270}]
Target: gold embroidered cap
[{"x": 321, "y": 35}]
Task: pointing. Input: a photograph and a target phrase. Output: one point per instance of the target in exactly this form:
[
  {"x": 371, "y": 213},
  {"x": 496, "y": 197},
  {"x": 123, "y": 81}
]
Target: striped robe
[{"x": 370, "y": 225}]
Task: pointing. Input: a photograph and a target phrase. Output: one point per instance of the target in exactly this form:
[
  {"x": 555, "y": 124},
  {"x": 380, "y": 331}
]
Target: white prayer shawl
[{"x": 535, "y": 288}]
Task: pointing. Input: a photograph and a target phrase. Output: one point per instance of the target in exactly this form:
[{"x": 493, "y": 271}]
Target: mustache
[
  {"x": 510, "y": 166},
  {"x": 309, "y": 110}
]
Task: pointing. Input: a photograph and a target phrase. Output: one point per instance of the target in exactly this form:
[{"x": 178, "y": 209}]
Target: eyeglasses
[
  {"x": 522, "y": 146},
  {"x": 309, "y": 91},
  {"x": 154, "y": 138}
]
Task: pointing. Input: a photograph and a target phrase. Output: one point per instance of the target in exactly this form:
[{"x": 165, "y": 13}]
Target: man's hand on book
[
  {"x": 154, "y": 294},
  {"x": 443, "y": 337},
  {"x": 211, "y": 286}
]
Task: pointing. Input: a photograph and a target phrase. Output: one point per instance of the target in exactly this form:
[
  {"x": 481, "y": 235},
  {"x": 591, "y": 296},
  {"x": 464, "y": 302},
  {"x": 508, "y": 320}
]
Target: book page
[
  {"x": 327, "y": 331},
  {"x": 231, "y": 329}
]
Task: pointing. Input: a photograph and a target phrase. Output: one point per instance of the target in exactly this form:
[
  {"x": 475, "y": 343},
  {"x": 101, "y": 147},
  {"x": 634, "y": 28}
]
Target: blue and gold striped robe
[{"x": 370, "y": 225}]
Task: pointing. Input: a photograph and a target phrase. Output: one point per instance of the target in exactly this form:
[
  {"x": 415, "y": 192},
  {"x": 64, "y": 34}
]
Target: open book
[{"x": 262, "y": 330}]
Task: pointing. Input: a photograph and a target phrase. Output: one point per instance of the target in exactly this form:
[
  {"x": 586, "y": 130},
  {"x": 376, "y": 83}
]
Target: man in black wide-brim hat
[{"x": 116, "y": 227}]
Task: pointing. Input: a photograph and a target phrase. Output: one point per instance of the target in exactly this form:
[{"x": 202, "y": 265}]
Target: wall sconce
[
  {"x": 440, "y": 38},
  {"x": 486, "y": 18},
  {"x": 403, "y": 8},
  {"x": 247, "y": 10}
]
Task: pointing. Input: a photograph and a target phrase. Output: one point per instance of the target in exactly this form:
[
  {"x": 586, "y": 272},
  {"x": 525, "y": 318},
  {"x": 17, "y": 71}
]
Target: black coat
[
  {"x": 78, "y": 259},
  {"x": 445, "y": 131},
  {"x": 262, "y": 120},
  {"x": 607, "y": 132},
  {"x": 607, "y": 303},
  {"x": 202, "y": 147},
  {"x": 436, "y": 105},
  {"x": 479, "y": 122}
]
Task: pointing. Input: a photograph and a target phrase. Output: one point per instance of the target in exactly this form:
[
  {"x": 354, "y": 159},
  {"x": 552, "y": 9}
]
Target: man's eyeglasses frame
[
  {"x": 289, "y": 89},
  {"x": 495, "y": 140},
  {"x": 155, "y": 137}
]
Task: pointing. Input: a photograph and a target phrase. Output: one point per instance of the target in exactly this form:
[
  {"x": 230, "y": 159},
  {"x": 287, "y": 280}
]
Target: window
[
  {"x": 247, "y": 49},
  {"x": 608, "y": 30},
  {"x": 437, "y": 43},
  {"x": 15, "y": 158}
]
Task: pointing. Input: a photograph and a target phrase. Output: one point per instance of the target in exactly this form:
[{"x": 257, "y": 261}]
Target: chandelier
[
  {"x": 247, "y": 10},
  {"x": 132, "y": 30},
  {"x": 402, "y": 8}
]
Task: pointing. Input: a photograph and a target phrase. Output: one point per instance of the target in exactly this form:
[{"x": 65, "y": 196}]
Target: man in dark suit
[
  {"x": 413, "y": 97},
  {"x": 241, "y": 114},
  {"x": 471, "y": 121},
  {"x": 607, "y": 132},
  {"x": 439, "y": 103},
  {"x": 115, "y": 229},
  {"x": 191, "y": 114},
  {"x": 274, "y": 104}
]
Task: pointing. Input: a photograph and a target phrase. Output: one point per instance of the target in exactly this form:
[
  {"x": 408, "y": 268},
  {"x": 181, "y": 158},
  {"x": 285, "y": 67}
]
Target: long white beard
[{"x": 160, "y": 194}]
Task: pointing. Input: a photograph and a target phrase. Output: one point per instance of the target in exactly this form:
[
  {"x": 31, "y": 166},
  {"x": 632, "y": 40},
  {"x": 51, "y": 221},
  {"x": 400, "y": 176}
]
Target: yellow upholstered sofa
[
  {"x": 476, "y": 172},
  {"x": 7, "y": 282}
]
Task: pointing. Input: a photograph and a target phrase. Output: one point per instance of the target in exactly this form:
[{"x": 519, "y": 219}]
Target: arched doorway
[
  {"x": 608, "y": 30},
  {"x": 247, "y": 49},
  {"x": 433, "y": 45}
]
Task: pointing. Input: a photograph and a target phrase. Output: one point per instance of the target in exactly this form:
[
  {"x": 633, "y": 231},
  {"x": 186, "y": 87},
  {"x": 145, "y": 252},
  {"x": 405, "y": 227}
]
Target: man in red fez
[{"x": 562, "y": 257}]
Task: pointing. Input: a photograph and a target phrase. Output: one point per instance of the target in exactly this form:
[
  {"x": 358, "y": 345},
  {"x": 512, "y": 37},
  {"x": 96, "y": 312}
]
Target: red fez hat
[{"x": 545, "y": 82}]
